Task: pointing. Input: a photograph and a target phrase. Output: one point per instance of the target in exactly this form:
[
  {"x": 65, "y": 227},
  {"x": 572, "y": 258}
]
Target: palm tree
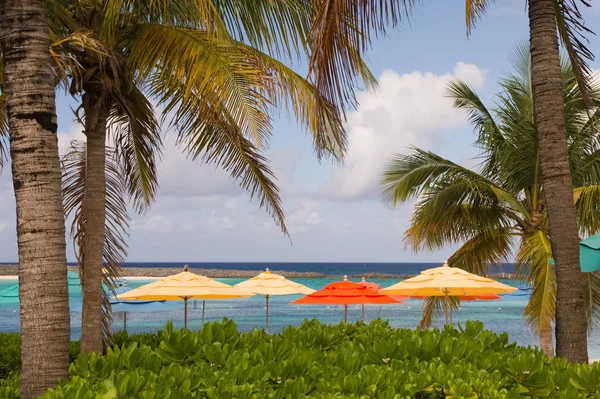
[
  {"x": 212, "y": 68},
  {"x": 28, "y": 110},
  {"x": 546, "y": 18},
  {"x": 503, "y": 204}
]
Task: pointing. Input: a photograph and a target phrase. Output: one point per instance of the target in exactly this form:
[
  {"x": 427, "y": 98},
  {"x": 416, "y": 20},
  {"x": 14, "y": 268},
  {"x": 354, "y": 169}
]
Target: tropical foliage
[
  {"x": 500, "y": 206},
  {"x": 324, "y": 361}
]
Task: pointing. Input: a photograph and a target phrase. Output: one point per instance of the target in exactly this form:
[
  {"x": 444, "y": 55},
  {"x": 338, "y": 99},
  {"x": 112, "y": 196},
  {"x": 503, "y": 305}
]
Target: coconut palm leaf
[
  {"x": 340, "y": 33},
  {"x": 480, "y": 117},
  {"x": 572, "y": 32},
  {"x": 533, "y": 264},
  {"x": 117, "y": 218},
  {"x": 433, "y": 307},
  {"x": 592, "y": 298},
  {"x": 303, "y": 100},
  {"x": 136, "y": 136},
  {"x": 210, "y": 133},
  {"x": 199, "y": 66},
  {"x": 487, "y": 248}
]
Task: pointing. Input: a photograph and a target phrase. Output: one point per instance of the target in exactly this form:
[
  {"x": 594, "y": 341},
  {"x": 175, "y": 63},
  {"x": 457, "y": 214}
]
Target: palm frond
[
  {"x": 587, "y": 203},
  {"x": 340, "y": 33},
  {"x": 533, "y": 264},
  {"x": 411, "y": 176},
  {"x": 572, "y": 31},
  {"x": 210, "y": 133},
  {"x": 304, "y": 101},
  {"x": 193, "y": 66},
  {"x": 117, "y": 218},
  {"x": 434, "y": 306},
  {"x": 592, "y": 298},
  {"x": 137, "y": 141},
  {"x": 281, "y": 28},
  {"x": 465, "y": 98},
  {"x": 486, "y": 248},
  {"x": 475, "y": 9}
]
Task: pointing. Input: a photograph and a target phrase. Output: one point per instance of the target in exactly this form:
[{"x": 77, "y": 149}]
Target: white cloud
[
  {"x": 156, "y": 224},
  {"x": 3, "y": 224},
  {"x": 305, "y": 218},
  {"x": 408, "y": 109}
]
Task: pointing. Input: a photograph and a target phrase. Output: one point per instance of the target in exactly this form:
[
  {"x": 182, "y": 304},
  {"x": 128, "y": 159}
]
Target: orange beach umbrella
[{"x": 345, "y": 293}]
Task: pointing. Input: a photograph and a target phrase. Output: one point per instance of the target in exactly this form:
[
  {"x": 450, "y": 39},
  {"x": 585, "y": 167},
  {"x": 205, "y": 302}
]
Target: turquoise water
[{"x": 504, "y": 315}]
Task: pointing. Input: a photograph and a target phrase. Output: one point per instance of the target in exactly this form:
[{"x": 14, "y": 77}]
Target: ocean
[
  {"x": 326, "y": 268},
  {"x": 504, "y": 315}
]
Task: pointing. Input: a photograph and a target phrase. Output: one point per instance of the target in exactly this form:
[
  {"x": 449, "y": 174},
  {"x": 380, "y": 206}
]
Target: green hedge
[{"x": 323, "y": 361}]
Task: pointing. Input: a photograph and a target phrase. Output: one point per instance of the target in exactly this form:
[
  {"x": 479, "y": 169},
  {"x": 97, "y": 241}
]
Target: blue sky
[{"x": 333, "y": 212}]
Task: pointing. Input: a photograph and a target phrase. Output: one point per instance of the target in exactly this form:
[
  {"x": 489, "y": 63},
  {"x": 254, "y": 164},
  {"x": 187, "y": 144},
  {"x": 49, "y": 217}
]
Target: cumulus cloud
[
  {"x": 306, "y": 217},
  {"x": 408, "y": 109}
]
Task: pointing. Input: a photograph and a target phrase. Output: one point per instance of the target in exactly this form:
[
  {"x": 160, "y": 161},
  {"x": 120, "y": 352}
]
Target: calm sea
[{"x": 336, "y": 269}]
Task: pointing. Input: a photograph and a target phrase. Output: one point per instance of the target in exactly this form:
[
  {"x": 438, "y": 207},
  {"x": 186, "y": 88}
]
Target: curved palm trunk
[
  {"x": 571, "y": 323},
  {"x": 96, "y": 114},
  {"x": 43, "y": 294},
  {"x": 546, "y": 343}
]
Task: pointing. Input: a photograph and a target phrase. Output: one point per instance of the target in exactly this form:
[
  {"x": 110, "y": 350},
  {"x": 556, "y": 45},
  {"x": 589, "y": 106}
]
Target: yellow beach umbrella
[
  {"x": 448, "y": 281},
  {"x": 270, "y": 284},
  {"x": 185, "y": 285}
]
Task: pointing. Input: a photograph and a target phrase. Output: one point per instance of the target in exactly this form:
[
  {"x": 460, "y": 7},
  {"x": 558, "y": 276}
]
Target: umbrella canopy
[
  {"x": 448, "y": 281},
  {"x": 345, "y": 293},
  {"x": 185, "y": 285},
  {"x": 271, "y": 284},
  {"x": 376, "y": 287},
  {"x": 589, "y": 254}
]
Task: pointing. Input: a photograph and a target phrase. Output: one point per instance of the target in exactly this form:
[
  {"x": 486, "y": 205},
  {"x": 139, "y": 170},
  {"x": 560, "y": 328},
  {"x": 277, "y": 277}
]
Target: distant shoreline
[{"x": 12, "y": 270}]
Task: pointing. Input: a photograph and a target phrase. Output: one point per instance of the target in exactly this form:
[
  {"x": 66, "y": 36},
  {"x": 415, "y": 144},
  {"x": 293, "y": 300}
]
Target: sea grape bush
[{"x": 316, "y": 360}]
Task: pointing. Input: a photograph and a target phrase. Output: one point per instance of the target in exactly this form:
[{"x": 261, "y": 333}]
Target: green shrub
[
  {"x": 325, "y": 361},
  {"x": 9, "y": 387},
  {"x": 10, "y": 354}
]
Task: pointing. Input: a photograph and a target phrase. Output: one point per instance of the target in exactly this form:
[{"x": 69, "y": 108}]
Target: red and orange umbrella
[
  {"x": 345, "y": 293},
  {"x": 376, "y": 287}
]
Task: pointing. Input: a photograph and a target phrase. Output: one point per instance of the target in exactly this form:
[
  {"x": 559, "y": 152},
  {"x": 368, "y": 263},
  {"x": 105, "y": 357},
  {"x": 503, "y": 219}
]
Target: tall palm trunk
[
  {"x": 44, "y": 299},
  {"x": 571, "y": 323},
  {"x": 546, "y": 343},
  {"x": 96, "y": 114}
]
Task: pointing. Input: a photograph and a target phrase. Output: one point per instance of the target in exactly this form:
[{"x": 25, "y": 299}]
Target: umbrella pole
[
  {"x": 125, "y": 321},
  {"x": 345, "y": 313},
  {"x": 203, "y": 306},
  {"x": 363, "y": 312},
  {"x": 446, "y": 307},
  {"x": 185, "y": 313},
  {"x": 267, "y": 329}
]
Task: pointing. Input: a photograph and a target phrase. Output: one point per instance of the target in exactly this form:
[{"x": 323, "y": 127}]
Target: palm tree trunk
[
  {"x": 43, "y": 294},
  {"x": 571, "y": 323},
  {"x": 96, "y": 114},
  {"x": 546, "y": 343}
]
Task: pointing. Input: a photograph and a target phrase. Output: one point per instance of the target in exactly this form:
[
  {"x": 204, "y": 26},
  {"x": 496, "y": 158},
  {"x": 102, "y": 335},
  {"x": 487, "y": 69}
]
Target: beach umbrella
[
  {"x": 270, "y": 284},
  {"x": 448, "y": 281},
  {"x": 376, "y": 287},
  {"x": 345, "y": 293},
  {"x": 185, "y": 285}
]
